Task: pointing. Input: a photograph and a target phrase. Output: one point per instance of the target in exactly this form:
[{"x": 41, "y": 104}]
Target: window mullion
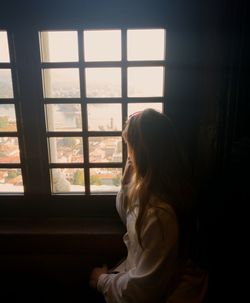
[
  {"x": 32, "y": 112},
  {"x": 84, "y": 111},
  {"x": 124, "y": 88}
]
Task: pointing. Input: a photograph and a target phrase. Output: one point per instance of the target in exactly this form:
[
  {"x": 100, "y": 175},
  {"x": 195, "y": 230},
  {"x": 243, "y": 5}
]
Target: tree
[
  {"x": 78, "y": 177},
  {"x": 94, "y": 180},
  {"x": 3, "y": 122},
  {"x": 12, "y": 174},
  {"x": 68, "y": 141}
]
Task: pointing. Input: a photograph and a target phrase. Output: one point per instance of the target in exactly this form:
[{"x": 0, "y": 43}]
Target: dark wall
[{"x": 207, "y": 97}]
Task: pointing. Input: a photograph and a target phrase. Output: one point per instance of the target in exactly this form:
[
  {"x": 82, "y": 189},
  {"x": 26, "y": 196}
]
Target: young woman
[{"x": 154, "y": 203}]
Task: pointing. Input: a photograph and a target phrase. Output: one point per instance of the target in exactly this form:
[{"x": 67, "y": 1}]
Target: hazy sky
[{"x": 4, "y": 49}]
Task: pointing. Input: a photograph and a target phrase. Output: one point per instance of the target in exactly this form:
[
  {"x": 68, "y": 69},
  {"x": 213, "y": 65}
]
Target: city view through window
[
  {"x": 11, "y": 180},
  {"x": 89, "y": 90}
]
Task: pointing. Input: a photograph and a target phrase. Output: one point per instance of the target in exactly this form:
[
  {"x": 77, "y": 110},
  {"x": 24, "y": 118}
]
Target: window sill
[{"x": 61, "y": 235}]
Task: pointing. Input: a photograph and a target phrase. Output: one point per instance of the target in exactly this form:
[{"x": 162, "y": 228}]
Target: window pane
[
  {"x": 6, "y": 89},
  {"x": 105, "y": 149},
  {"x": 11, "y": 180},
  {"x": 59, "y": 46},
  {"x": 65, "y": 180},
  {"x": 63, "y": 117},
  {"x": 61, "y": 83},
  {"x": 7, "y": 118},
  {"x": 102, "y": 45},
  {"x": 105, "y": 179},
  {"x": 134, "y": 107},
  {"x": 110, "y": 121},
  {"x": 103, "y": 82},
  {"x": 146, "y": 44},
  {"x": 65, "y": 150},
  {"x": 145, "y": 81},
  {"x": 9, "y": 150},
  {"x": 4, "y": 47}
]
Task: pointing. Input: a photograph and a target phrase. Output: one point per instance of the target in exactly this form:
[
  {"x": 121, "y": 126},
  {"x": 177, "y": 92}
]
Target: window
[
  {"x": 61, "y": 117},
  {"x": 11, "y": 180},
  {"x": 92, "y": 80}
]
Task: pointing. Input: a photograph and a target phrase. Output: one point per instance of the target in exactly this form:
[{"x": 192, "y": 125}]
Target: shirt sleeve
[{"x": 148, "y": 281}]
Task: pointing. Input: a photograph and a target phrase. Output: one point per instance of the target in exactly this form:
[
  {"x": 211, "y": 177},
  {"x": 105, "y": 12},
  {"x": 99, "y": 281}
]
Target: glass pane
[
  {"x": 4, "y": 47},
  {"x": 135, "y": 107},
  {"x": 63, "y": 117},
  {"x": 6, "y": 89},
  {"x": 7, "y": 118},
  {"x": 65, "y": 180},
  {"x": 65, "y": 150},
  {"x": 61, "y": 83},
  {"x": 103, "y": 82},
  {"x": 9, "y": 150},
  {"x": 146, "y": 44},
  {"x": 102, "y": 45},
  {"x": 145, "y": 81},
  {"x": 11, "y": 180},
  {"x": 110, "y": 121},
  {"x": 105, "y": 179},
  {"x": 105, "y": 149},
  {"x": 59, "y": 46}
]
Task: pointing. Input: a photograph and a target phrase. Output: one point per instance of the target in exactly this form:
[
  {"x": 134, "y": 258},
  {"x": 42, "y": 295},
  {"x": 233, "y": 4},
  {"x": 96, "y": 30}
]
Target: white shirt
[{"x": 147, "y": 275}]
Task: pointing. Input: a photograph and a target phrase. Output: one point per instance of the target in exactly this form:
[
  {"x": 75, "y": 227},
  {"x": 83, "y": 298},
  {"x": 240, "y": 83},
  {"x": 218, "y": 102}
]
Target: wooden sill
[{"x": 64, "y": 235}]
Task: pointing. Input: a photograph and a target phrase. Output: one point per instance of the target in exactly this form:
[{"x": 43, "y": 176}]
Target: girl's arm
[{"x": 152, "y": 277}]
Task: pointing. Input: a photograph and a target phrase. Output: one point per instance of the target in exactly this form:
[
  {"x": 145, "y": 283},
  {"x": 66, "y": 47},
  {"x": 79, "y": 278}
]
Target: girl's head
[{"x": 154, "y": 151}]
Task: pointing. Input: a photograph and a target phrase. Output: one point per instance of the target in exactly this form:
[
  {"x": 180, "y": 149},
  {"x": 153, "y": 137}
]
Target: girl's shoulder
[
  {"x": 158, "y": 205},
  {"x": 161, "y": 211},
  {"x": 160, "y": 223}
]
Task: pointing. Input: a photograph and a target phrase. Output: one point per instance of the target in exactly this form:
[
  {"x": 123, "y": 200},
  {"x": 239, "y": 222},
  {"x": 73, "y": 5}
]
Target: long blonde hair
[{"x": 160, "y": 169}]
